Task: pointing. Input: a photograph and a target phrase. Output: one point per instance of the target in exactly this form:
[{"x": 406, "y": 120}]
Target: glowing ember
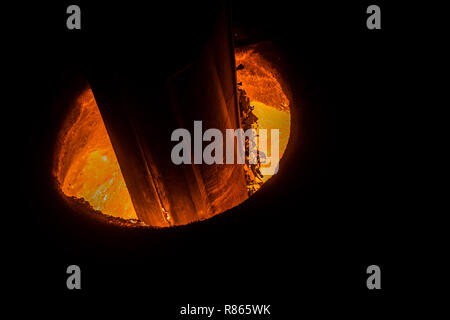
[{"x": 87, "y": 165}]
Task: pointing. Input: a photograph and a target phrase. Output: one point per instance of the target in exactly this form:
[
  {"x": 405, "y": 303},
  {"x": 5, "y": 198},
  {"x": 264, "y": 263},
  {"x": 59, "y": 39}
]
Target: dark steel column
[{"x": 141, "y": 106}]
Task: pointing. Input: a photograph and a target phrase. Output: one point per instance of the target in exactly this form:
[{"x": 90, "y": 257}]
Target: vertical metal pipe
[{"x": 140, "y": 117}]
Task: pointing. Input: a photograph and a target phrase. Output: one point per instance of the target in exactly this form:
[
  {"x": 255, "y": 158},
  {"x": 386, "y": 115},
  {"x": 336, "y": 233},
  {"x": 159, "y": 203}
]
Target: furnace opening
[{"x": 87, "y": 168}]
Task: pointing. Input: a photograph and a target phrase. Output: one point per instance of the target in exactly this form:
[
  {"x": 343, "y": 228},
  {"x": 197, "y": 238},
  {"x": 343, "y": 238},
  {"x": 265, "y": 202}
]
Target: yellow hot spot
[
  {"x": 88, "y": 167},
  {"x": 270, "y": 118}
]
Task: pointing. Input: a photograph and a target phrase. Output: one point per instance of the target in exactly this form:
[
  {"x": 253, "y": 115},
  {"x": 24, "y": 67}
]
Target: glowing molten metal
[
  {"x": 87, "y": 165},
  {"x": 271, "y": 106}
]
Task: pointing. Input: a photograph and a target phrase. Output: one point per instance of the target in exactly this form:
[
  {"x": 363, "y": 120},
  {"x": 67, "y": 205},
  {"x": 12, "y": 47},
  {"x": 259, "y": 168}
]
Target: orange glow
[
  {"x": 260, "y": 80},
  {"x": 271, "y": 106},
  {"x": 87, "y": 165}
]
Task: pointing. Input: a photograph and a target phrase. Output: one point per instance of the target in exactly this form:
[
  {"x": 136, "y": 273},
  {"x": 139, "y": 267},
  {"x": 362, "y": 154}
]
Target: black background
[{"x": 302, "y": 243}]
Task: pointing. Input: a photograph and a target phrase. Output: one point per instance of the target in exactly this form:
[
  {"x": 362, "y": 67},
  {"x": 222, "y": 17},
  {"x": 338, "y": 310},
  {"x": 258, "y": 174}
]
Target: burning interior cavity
[
  {"x": 87, "y": 167},
  {"x": 267, "y": 106}
]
